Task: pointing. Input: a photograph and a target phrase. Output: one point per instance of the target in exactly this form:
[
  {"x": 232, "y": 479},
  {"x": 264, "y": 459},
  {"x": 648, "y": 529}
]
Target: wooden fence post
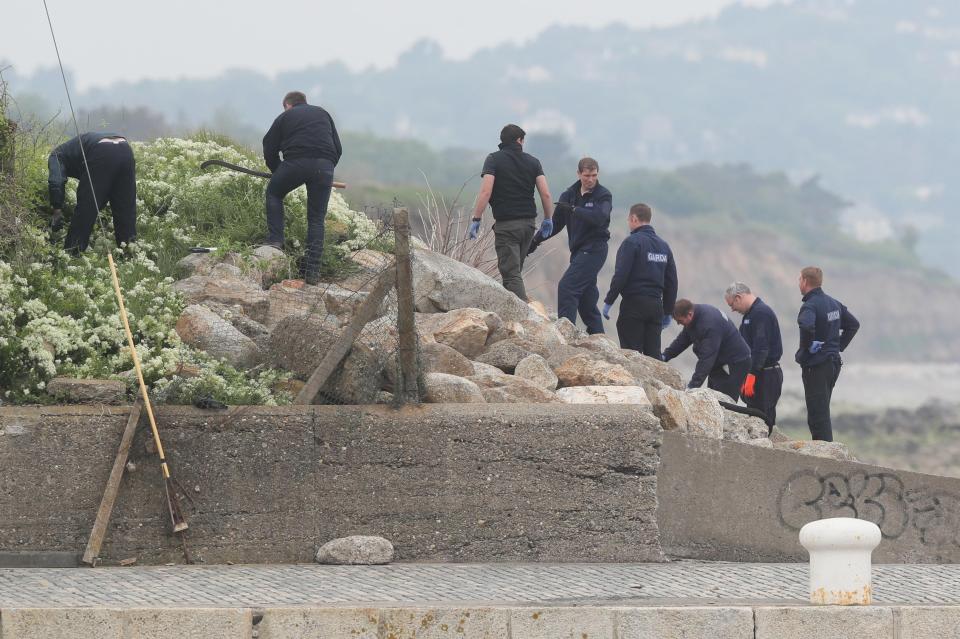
[
  {"x": 408, "y": 389},
  {"x": 8, "y": 130}
]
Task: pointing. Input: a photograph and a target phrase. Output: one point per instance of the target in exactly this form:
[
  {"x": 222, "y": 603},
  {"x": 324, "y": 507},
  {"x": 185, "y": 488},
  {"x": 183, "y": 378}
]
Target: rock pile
[{"x": 478, "y": 342}]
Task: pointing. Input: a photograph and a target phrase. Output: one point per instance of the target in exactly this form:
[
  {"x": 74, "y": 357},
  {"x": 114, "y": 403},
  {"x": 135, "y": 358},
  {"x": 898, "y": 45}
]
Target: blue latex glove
[
  {"x": 665, "y": 322},
  {"x": 474, "y": 230},
  {"x": 546, "y": 228},
  {"x": 815, "y": 346},
  {"x": 606, "y": 310}
]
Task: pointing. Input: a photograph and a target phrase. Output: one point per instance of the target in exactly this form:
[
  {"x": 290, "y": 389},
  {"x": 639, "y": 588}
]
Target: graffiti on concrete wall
[{"x": 878, "y": 497}]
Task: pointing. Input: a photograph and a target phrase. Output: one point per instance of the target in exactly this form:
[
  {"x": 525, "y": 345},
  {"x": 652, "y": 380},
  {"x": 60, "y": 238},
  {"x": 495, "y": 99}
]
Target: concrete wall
[
  {"x": 442, "y": 482},
  {"x": 728, "y": 501}
]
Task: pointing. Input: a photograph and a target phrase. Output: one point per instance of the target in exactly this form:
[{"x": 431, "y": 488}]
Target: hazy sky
[{"x": 107, "y": 40}]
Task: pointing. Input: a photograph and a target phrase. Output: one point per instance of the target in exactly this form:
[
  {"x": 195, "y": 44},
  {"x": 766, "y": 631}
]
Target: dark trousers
[
  {"x": 766, "y": 394},
  {"x": 317, "y": 175},
  {"x": 729, "y": 383},
  {"x": 112, "y": 170},
  {"x": 511, "y": 239},
  {"x": 640, "y": 324},
  {"x": 818, "y": 383},
  {"x": 577, "y": 290}
]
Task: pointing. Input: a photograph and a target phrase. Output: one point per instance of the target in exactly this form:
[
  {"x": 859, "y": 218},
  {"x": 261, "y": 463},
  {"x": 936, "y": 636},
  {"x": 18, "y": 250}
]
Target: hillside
[{"x": 863, "y": 93}]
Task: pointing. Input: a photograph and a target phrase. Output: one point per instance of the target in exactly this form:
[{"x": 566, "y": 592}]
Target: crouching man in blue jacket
[
  {"x": 723, "y": 357},
  {"x": 584, "y": 209}
]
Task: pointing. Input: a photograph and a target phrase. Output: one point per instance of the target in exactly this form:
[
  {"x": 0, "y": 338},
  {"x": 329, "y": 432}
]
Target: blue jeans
[
  {"x": 577, "y": 290},
  {"x": 317, "y": 174}
]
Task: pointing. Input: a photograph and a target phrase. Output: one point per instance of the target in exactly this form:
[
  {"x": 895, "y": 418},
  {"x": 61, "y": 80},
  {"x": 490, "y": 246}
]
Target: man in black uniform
[
  {"x": 646, "y": 277},
  {"x": 307, "y": 137},
  {"x": 112, "y": 170},
  {"x": 761, "y": 331},
  {"x": 826, "y": 329},
  {"x": 723, "y": 358},
  {"x": 584, "y": 209},
  {"x": 508, "y": 180}
]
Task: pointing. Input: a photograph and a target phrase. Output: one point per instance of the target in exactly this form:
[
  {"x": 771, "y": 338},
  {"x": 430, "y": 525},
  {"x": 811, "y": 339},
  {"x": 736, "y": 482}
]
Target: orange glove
[{"x": 747, "y": 390}]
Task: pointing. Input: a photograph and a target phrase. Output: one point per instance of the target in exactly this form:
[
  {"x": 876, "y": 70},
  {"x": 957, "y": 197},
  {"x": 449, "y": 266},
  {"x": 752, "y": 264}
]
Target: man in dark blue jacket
[
  {"x": 308, "y": 139},
  {"x": 826, "y": 329},
  {"x": 111, "y": 170},
  {"x": 584, "y": 209},
  {"x": 761, "y": 331},
  {"x": 646, "y": 278},
  {"x": 723, "y": 358}
]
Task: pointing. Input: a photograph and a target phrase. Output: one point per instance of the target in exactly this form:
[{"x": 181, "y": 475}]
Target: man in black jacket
[
  {"x": 761, "y": 331},
  {"x": 584, "y": 209},
  {"x": 508, "y": 179},
  {"x": 307, "y": 137},
  {"x": 646, "y": 277},
  {"x": 826, "y": 329},
  {"x": 111, "y": 170},
  {"x": 723, "y": 358}
]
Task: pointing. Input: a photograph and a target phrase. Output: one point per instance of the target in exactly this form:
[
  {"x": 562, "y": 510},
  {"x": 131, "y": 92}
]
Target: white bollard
[{"x": 840, "y": 550}]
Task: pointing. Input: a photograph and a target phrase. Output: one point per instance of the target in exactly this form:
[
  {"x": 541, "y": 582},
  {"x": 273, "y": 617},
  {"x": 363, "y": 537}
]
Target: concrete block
[
  {"x": 562, "y": 623},
  {"x": 684, "y": 623},
  {"x": 436, "y": 623},
  {"x": 836, "y": 622},
  {"x": 929, "y": 622},
  {"x": 61, "y": 623},
  {"x": 188, "y": 623},
  {"x": 318, "y": 623}
]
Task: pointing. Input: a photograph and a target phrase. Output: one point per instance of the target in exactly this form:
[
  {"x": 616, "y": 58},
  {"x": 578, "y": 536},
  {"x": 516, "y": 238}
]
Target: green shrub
[{"x": 59, "y": 315}]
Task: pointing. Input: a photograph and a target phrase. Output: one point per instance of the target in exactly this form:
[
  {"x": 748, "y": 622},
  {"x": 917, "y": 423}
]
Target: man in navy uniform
[
  {"x": 105, "y": 169},
  {"x": 761, "y": 331},
  {"x": 584, "y": 209},
  {"x": 508, "y": 179},
  {"x": 308, "y": 139},
  {"x": 723, "y": 358},
  {"x": 646, "y": 278},
  {"x": 826, "y": 329}
]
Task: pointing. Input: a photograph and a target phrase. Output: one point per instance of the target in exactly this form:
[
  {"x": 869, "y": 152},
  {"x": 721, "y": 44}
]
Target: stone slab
[
  {"x": 440, "y": 623},
  {"x": 562, "y": 623},
  {"x": 61, "y": 623},
  {"x": 928, "y": 622},
  {"x": 188, "y": 623},
  {"x": 685, "y": 623},
  {"x": 836, "y": 622},
  {"x": 319, "y": 623}
]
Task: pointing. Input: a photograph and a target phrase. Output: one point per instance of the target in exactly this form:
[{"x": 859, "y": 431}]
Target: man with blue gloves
[
  {"x": 584, "y": 209},
  {"x": 646, "y": 278},
  {"x": 761, "y": 331},
  {"x": 826, "y": 329},
  {"x": 723, "y": 358},
  {"x": 509, "y": 177}
]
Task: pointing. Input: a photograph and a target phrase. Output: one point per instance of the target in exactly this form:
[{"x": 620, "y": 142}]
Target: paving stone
[
  {"x": 318, "y": 623},
  {"x": 61, "y": 623},
  {"x": 684, "y": 623},
  {"x": 836, "y": 622},
  {"x": 927, "y": 622},
  {"x": 188, "y": 623},
  {"x": 430, "y": 623},
  {"x": 562, "y": 623}
]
